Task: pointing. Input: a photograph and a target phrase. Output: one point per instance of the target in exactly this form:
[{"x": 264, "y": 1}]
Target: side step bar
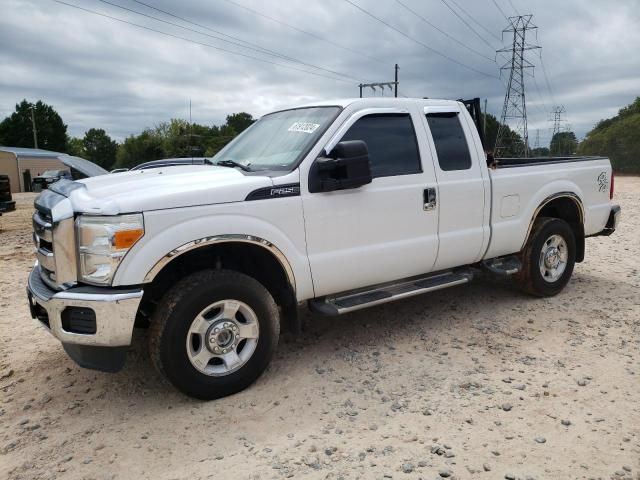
[
  {"x": 503, "y": 266},
  {"x": 388, "y": 292}
]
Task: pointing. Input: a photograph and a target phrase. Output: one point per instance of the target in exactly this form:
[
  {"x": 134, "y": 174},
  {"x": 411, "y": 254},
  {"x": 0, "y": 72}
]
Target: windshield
[
  {"x": 51, "y": 173},
  {"x": 278, "y": 140}
]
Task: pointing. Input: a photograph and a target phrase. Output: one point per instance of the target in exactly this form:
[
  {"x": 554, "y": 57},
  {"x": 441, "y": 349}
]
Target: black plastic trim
[
  {"x": 527, "y": 162},
  {"x": 104, "y": 359},
  {"x": 276, "y": 191}
]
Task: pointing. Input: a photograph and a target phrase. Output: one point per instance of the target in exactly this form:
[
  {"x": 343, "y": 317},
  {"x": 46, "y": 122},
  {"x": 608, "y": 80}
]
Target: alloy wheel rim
[
  {"x": 553, "y": 258},
  {"x": 222, "y": 337}
]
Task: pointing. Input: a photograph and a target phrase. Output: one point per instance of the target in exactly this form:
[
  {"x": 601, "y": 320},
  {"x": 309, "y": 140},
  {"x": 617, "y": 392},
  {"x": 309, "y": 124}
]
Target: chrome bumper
[{"x": 110, "y": 325}]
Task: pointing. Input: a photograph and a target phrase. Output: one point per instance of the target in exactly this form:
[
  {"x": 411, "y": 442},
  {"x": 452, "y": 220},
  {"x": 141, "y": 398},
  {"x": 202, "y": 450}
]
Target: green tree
[
  {"x": 17, "y": 129},
  {"x": 511, "y": 137},
  {"x": 75, "y": 147},
  {"x": 99, "y": 148},
  {"x": 563, "y": 144},
  {"x": 240, "y": 121},
  {"x": 617, "y": 138},
  {"x": 138, "y": 149},
  {"x": 179, "y": 138},
  {"x": 540, "y": 152}
]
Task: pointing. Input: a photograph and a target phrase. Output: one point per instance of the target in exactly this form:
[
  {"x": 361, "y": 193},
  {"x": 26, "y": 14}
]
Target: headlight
[{"x": 103, "y": 242}]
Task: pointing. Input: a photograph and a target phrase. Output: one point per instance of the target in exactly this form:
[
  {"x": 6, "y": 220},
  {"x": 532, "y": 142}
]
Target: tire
[
  {"x": 179, "y": 348},
  {"x": 544, "y": 234}
]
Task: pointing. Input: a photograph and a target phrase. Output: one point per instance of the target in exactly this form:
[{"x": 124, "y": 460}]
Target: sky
[{"x": 100, "y": 72}]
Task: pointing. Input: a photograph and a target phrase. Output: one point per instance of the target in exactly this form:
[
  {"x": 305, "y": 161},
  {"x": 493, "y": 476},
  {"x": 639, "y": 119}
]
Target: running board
[
  {"x": 388, "y": 292},
  {"x": 503, "y": 266}
]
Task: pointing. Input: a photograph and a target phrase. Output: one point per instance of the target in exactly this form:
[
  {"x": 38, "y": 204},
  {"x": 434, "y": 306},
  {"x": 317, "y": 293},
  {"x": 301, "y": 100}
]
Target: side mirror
[{"x": 347, "y": 166}]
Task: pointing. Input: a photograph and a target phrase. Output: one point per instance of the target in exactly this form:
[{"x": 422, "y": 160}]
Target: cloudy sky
[{"x": 104, "y": 73}]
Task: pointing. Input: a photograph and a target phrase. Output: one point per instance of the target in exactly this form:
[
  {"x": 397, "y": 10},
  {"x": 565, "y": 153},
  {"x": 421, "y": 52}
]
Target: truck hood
[{"x": 162, "y": 188}]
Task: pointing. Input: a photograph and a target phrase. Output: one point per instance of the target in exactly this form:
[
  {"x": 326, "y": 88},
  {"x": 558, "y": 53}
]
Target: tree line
[
  {"x": 173, "y": 139},
  {"x": 617, "y": 138}
]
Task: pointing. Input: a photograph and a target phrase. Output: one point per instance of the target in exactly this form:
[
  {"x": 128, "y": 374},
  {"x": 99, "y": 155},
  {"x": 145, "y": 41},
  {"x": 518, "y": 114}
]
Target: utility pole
[
  {"x": 484, "y": 120},
  {"x": 35, "y": 132},
  {"x": 515, "y": 106},
  {"x": 396, "y": 82},
  {"x": 382, "y": 85}
]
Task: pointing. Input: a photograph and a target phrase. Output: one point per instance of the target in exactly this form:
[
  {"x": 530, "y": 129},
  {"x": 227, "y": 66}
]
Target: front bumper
[
  {"x": 94, "y": 324},
  {"x": 612, "y": 222}
]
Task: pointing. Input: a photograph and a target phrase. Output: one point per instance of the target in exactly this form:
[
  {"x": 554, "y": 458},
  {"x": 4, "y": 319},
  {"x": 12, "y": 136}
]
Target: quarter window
[
  {"x": 450, "y": 141},
  {"x": 391, "y": 140}
]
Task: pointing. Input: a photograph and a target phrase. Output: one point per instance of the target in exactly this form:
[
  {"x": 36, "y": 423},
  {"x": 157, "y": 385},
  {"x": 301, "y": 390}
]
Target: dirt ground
[{"x": 474, "y": 382}]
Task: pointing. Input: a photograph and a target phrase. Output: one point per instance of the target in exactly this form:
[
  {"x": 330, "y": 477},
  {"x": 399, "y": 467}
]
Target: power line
[
  {"x": 475, "y": 21},
  {"x": 199, "y": 43},
  {"x": 467, "y": 24},
  {"x": 433, "y": 50},
  {"x": 260, "y": 50},
  {"x": 311, "y": 34},
  {"x": 546, "y": 78},
  {"x": 514, "y": 8},
  {"x": 500, "y": 9},
  {"x": 201, "y": 26},
  {"x": 450, "y": 37}
]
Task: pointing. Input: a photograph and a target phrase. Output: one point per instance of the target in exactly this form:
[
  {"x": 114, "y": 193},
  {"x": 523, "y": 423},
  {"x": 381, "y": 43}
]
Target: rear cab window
[{"x": 450, "y": 141}]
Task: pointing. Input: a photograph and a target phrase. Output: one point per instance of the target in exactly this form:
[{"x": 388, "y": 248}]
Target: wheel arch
[
  {"x": 566, "y": 206},
  {"x": 247, "y": 254},
  {"x": 211, "y": 241}
]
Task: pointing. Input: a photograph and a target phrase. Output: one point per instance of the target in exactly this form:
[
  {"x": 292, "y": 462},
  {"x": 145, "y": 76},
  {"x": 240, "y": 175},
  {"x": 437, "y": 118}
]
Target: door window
[
  {"x": 450, "y": 141},
  {"x": 391, "y": 140}
]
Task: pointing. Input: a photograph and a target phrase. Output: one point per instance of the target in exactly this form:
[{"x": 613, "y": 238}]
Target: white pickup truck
[{"x": 337, "y": 206}]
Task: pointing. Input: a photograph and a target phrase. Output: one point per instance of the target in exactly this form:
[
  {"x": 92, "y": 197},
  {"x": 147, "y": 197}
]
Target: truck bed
[{"x": 519, "y": 186}]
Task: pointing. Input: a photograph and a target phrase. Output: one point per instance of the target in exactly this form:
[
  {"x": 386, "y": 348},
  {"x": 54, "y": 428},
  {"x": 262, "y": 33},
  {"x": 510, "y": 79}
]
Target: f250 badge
[{"x": 603, "y": 182}]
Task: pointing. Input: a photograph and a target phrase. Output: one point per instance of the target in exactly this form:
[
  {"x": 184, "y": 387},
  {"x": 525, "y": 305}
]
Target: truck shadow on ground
[{"x": 487, "y": 303}]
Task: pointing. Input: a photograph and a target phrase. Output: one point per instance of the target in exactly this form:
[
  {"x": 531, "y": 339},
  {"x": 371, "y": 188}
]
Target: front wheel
[
  {"x": 214, "y": 333},
  {"x": 548, "y": 258}
]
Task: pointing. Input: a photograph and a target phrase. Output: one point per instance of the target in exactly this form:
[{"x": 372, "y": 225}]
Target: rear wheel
[
  {"x": 214, "y": 333},
  {"x": 548, "y": 257}
]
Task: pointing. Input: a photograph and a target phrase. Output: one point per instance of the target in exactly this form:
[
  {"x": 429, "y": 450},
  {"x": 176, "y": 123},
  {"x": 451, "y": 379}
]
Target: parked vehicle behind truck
[
  {"x": 336, "y": 206},
  {"x": 7, "y": 204}
]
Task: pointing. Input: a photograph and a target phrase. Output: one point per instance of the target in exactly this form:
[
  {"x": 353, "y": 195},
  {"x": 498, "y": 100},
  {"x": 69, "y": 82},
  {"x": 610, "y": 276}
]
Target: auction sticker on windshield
[{"x": 305, "y": 127}]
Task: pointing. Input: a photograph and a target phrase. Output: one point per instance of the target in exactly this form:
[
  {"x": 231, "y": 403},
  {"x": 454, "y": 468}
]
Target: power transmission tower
[
  {"x": 557, "y": 112},
  {"x": 536, "y": 145},
  {"x": 514, "y": 109}
]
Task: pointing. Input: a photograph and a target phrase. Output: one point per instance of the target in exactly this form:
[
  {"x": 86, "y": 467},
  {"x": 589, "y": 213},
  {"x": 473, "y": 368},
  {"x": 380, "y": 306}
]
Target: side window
[
  {"x": 451, "y": 143},
  {"x": 392, "y": 143}
]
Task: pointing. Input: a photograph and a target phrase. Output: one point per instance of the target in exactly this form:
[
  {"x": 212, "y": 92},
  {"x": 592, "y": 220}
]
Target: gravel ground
[{"x": 473, "y": 382}]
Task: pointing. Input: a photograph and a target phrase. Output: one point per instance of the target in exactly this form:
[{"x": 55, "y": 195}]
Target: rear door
[
  {"x": 462, "y": 201},
  {"x": 381, "y": 231}
]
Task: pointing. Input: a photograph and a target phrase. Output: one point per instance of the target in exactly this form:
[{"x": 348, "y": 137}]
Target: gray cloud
[{"x": 101, "y": 73}]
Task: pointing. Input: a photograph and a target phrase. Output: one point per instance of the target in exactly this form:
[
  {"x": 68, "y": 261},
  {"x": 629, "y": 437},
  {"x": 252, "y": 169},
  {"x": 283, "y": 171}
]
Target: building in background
[{"x": 21, "y": 163}]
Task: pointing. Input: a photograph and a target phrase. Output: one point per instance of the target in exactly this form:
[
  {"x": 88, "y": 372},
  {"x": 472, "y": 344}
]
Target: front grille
[{"x": 55, "y": 242}]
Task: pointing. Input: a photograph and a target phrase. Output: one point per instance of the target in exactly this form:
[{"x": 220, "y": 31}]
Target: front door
[{"x": 381, "y": 231}]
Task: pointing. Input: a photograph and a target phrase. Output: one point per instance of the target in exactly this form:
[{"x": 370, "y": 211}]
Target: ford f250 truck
[{"x": 337, "y": 205}]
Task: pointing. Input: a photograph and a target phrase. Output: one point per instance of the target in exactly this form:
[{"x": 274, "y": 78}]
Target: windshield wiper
[{"x": 233, "y": 163}]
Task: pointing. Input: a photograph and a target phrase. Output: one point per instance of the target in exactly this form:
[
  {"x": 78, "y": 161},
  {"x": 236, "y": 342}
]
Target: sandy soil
[{"x": 470, "y": 383}]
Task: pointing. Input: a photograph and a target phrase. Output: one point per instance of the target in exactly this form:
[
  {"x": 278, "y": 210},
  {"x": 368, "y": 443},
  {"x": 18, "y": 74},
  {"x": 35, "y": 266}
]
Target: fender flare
[
  {"x": 218, "y": 239},
  {"x": 570, "y": 195}
]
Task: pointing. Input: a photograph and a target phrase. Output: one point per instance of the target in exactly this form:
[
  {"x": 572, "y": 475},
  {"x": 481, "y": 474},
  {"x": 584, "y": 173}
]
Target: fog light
[{"x": 80, "y": 320}]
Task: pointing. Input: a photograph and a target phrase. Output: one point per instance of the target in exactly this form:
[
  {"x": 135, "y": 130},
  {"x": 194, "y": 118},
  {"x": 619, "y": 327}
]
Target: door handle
[{"x": 429, "y": 199}]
